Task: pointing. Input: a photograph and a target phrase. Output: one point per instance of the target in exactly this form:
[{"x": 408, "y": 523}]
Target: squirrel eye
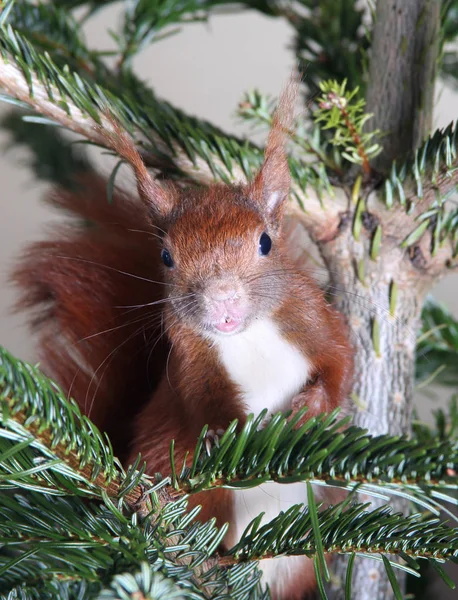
[
  {"x": 265, "y": 244},
  {"x": 167, "y": 258}
]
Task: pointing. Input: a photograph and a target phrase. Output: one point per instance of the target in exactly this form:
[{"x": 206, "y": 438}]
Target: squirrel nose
[
  {"x": 223, "y": 295},
  {"x": 220, "y": 291}
]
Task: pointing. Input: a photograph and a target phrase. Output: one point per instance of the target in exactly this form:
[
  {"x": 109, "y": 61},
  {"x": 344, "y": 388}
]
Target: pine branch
[
  {"x": 430, "y": 169},
  {"x": 60, "y": 540},
  {"x": 258, "y": 110},
  {"x": 38, "y": 527},
  {"x": 48, "y": 445},
  {"x": 348, "y": 531},
  {"x": 331, "y": 40},
  {"x": 55, "y": 86},
  {"x": 343, "y": 112},
  {"x": 324, "y": 52},
  {"x": 64, "y": 590},
  {"x": 280, "y": 453},
  {"x": 52, "y": 540},
  {"x": 147, "y": 21},
  {"x": 168, "y": 140},
  {"x": 38, "y": 422},
  {"x": 142, "y": 584},
  {"x": 55, "y": 31},
  {"x": 75, "y": 101}
]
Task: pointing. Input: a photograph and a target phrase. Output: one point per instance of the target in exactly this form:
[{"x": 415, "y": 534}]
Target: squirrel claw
[{"x": 212, "y": 439}]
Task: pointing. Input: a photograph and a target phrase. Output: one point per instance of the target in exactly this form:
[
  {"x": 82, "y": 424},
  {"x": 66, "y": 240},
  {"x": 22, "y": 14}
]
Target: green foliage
[
  {"x": 449, "y": 60},
  {"x": 144, "y": 584},
  {"x": 437, "y": 349},
  {"x": 337, "y": 129},
  {"x": 44, "y": 438},
  {"x": 331, "y": 41},
  {"x": 343, "y": 112},
  {"x": 449, "y": 23},
  {"x": 178, "y": 144},
  {"x": 73, "y": 522},
  {"x": 426, "y": 178},
  {"x": 58, "y": 445},
  {"x": 354, "y": 529},
  {"x": 281, "y": 453},
  {"x": 144, "y": 21},
  {"x": 58, "y": 33},
  {"x": 307, "y": 141},
  {"x": 446, "y": 424},
  {"x": 55, "y": 541},
  {"x": 92, "y": 5},
  {"x": 130, "y": 100},
  {"x": 52, "y": 541}
]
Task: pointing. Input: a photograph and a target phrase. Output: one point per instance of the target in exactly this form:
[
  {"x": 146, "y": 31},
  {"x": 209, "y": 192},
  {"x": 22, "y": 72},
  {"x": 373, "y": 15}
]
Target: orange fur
[{"x": 77, "y": 284}]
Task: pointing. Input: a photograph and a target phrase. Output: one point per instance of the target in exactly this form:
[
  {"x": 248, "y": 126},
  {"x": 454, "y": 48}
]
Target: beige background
[{"x": 205, "y": 70}]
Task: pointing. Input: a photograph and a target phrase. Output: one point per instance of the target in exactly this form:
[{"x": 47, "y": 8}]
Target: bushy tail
[{"x": 95, "y": 297}]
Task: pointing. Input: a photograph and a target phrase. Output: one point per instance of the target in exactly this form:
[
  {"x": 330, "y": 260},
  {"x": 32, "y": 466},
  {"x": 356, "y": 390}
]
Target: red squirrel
[{"x": 246, "y": 329}]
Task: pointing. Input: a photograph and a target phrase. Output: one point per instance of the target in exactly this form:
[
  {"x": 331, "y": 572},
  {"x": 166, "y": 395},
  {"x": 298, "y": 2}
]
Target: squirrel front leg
[{"x": 328, "y": 387}]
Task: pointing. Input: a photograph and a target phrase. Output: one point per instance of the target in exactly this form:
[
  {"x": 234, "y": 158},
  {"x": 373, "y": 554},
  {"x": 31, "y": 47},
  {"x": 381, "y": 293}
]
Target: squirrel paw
[{"x": 315, "y": 398}]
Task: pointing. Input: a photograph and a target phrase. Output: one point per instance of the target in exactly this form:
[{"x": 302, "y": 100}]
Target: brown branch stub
[
  {"x": 370, "y": 221},
  {"x": 417, "y": 258}
]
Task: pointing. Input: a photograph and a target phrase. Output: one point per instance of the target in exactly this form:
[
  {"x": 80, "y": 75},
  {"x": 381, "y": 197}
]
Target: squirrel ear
[
  {"x": 271, "y": 185},
  {"x": 159, "y": 201}
]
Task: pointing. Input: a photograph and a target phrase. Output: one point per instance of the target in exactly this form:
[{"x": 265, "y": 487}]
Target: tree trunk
[
  {"x": 382, "y": 297},
  {"x": 384, "y": 374},
  {"x": 384, "y": 339},
  {"x": 402, "y": 71}
]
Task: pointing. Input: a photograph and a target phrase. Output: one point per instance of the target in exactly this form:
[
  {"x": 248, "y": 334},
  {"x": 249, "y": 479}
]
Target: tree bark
[
  {"x": 384, "y": 339},
  {"x": 381, "y": 296},
  {"x": 402, "y": 72},
  {"x": 400, "y": 96},
  {"x": 384, "y": 358}
]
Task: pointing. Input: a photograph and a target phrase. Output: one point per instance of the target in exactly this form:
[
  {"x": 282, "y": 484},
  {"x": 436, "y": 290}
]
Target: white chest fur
[
  {"x": 270, "y": 498},
  {"x": 269, "y": 371}
]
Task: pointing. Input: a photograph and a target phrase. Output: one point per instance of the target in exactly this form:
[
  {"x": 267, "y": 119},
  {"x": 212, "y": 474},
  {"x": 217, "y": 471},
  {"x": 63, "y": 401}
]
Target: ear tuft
[
  {"x": 157, "y": 199},
  {"x": 272, "y": 183}
]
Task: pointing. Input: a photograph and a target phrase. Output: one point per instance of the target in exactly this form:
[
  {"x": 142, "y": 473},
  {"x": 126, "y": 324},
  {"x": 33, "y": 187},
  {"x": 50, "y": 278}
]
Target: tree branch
[
  {"x": 45, "y": 99},
  {"x": 15, "y": 84}
]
